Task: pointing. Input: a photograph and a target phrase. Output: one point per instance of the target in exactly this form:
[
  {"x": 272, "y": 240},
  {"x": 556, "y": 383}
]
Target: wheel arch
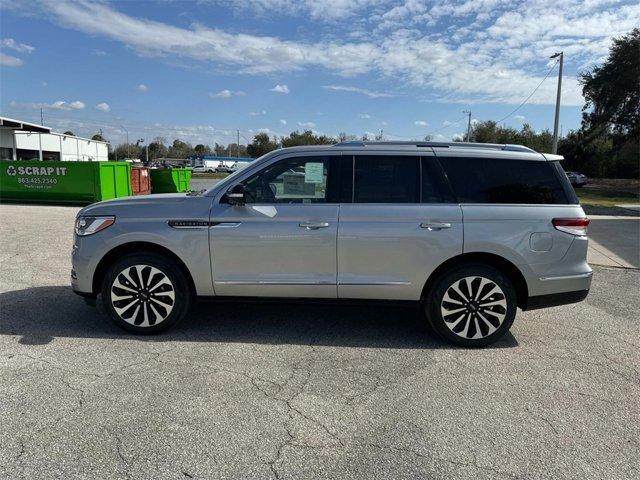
[
  {"x": 136, "y": 247},
  {"x": 512, "y": 272}
]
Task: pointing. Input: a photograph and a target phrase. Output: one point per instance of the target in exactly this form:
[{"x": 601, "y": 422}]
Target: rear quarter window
[{"x": 503, "y": 180}]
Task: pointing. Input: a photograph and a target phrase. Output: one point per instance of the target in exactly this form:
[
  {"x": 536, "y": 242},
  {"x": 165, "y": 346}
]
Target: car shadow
[{"x": 40, "y": 314}]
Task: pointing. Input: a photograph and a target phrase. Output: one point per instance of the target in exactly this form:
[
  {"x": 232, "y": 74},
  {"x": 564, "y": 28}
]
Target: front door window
[{"x": 293, "y": 180}]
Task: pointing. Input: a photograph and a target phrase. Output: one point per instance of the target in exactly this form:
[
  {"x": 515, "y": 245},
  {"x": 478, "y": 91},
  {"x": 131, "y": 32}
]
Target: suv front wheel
[
  {"x": 472, "y": 306},
  {"x": 145, "y": 293}
]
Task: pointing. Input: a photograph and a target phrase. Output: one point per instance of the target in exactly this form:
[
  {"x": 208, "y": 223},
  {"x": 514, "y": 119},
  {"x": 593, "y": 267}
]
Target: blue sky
[{"x": 200, "y": 70}]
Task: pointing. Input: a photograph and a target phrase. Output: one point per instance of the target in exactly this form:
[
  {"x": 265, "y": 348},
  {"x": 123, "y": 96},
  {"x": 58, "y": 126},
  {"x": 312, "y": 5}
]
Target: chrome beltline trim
[{"x": 567, "y": 277}]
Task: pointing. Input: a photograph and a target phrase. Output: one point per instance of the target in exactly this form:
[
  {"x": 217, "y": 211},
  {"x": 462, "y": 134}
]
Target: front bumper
[{"x": 84, "y": 255}]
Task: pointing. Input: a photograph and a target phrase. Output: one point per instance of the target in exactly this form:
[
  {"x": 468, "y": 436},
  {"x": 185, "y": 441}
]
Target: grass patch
[{"x": 605, "y": 197}]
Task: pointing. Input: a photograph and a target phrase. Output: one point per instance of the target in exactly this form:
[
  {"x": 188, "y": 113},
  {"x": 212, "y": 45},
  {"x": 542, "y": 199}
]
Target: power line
[
  {"x": 531, "y": 94},
  {"x": 447, "y": 126}
]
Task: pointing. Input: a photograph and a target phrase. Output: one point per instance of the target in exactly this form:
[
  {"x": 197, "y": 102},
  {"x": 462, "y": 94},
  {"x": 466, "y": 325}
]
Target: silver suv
[{"x": 470, "y": 231}]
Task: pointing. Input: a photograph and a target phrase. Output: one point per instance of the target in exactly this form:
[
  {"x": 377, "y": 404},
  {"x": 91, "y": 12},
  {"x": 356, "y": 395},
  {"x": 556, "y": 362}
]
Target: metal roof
[{"x": 21, "y": 125}]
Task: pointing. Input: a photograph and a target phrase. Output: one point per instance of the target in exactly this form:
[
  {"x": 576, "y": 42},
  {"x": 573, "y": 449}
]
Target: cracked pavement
[{"x": 305, "y": 391}]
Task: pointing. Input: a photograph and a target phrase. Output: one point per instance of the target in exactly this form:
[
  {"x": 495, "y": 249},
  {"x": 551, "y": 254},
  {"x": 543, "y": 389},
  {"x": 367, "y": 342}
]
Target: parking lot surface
[{"x": 304, "y": 391}]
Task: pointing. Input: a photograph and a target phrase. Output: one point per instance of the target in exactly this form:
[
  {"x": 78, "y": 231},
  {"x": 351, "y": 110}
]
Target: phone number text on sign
[{"x": 37, "y": 181}]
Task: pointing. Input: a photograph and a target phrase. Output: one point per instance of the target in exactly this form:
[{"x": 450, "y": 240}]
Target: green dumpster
[
  {"x": 77, "y": 182},
  {"x": 165, "y": 180}
]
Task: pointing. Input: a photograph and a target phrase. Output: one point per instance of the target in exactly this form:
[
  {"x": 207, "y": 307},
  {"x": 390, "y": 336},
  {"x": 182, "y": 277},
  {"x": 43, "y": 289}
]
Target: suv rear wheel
[
  {"x": 472, "y": 306},
  {"x": 145, "y": 293}
]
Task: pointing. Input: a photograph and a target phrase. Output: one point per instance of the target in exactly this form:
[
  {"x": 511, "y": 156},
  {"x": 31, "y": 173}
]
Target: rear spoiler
[{"x": 553, "y": 158}]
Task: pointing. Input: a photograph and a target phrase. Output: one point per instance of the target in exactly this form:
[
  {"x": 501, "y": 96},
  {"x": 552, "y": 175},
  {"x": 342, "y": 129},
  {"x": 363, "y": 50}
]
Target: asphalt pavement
[
  {"x": 305, "y": 391},
  {"x": 620, "y": 235}
]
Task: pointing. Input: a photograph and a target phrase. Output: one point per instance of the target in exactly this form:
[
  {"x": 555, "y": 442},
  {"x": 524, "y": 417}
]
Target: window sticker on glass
[
  {"x": 314, "y": 172},
  {"x": 293, "y": 184}
]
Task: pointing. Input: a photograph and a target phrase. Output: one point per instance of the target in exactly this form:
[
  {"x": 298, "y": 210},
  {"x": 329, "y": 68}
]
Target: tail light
[{"x": 574, "y": 226}]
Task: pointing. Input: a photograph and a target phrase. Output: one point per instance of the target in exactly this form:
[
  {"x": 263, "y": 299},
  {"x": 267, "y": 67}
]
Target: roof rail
[{"x": 495, "y": 146}]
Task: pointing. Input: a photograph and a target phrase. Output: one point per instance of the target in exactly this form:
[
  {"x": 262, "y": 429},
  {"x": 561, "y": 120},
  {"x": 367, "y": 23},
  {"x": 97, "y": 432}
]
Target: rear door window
[
  {"x": 492, "y": 180},
  {"x": 386, "y": 179}
]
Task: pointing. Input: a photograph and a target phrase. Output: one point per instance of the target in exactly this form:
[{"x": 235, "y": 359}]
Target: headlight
[{"x": 90, "y": 225}]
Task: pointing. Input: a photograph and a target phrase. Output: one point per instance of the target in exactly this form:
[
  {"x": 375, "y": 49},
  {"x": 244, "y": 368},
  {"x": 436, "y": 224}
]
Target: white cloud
[
  {"x": 9, "y": 61},
  {"x": 222, "y": 94},
  {"x": 103, "y": 107},
  {"x": 57, "y": 105},
  {"x": 420, "y": 123},
  {"x": 364, "y": 115},
  {"x": 325, "y": 10},
  {"x": 257, "y": 114},
  {"x": 362, "y": 91},
  {"x": 18, "y": 47},
  {"x": 491, "y": 53},
  {"x": 142, "y": 87},
  {"x": 283, "y": 122},
  {"x": 519, "y": 118},
  {"x": 280, "y": 89},
  {"x": 307, "y": 124},
  {"x": 227, "y": 94},
  {"x": 99, "y": 53}
]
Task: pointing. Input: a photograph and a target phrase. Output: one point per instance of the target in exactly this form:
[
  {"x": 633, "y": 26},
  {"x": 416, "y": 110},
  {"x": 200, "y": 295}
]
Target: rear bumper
[{"x": 555, "y": 299}]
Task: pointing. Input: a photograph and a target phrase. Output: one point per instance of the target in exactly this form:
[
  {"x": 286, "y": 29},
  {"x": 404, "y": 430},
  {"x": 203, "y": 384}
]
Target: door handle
[
  {"x": 435, "y": 226},
  {"x": 314, "y": 225}
]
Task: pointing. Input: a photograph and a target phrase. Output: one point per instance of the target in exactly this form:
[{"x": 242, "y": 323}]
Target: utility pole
[
  {"x": 468, "y": 112},
  {"x": 554, "y": 148},
  {"x": 238, "y": 145},
  {"x": 128, "y": 148},
  {"x": 41, "y": 118}
]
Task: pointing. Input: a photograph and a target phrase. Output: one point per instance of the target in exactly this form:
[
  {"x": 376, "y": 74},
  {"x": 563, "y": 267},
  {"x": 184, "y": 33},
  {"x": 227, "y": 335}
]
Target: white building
[{"x": 28, "y": 141}]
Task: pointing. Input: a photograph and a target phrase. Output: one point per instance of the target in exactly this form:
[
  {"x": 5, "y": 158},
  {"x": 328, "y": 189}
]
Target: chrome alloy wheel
[
  {"x": 473, "y": 307},
  {"x": 142, "y": 295}
]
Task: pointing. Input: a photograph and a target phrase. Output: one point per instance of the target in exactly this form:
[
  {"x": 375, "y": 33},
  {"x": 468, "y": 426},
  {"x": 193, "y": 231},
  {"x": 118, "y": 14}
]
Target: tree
[
  {"x": 221, "y": 150},
  {"x": 98, "y": 137},
  {"x": 180, "y": 149},
  {"x": 490, "y": 132},
  {"x": 69, "y": 133},
  {"x": 201, "y": 149},
  {"x": 157, "y": 148},
  {"x": 123, "y": 151},
  {"x": 260, "y": 145},
  {"x": 343, "y": 137},
  {"x": 612, "y": 90},
  {"x": 306, "y": 138},
  {"x": 611, "y": 114}
]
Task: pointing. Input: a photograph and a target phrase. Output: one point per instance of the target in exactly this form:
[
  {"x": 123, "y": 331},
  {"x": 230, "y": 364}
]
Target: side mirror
[{"x": 236, "y": 195}]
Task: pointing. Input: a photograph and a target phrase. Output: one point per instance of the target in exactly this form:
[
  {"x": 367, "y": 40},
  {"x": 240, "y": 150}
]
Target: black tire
[
  {"x": 153, "y": 297},
  {"x": 486, "y": 317}
]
